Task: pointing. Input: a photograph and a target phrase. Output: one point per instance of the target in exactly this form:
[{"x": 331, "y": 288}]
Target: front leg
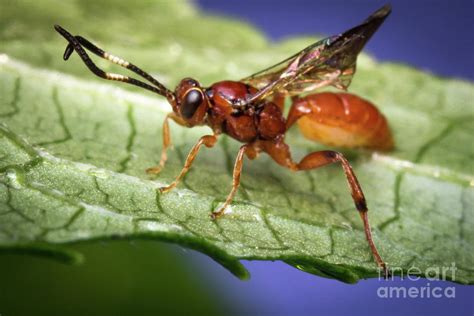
[
  {"x": 208, "y": 141},
  {"x": 166, "y": 142}
]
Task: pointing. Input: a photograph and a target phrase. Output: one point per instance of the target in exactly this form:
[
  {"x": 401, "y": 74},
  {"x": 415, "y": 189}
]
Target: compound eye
[{"x": 192, "y": 100}]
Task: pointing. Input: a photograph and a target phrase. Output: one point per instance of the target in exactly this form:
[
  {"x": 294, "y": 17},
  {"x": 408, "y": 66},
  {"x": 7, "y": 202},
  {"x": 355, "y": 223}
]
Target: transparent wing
[{"x": 331, "y": 61}]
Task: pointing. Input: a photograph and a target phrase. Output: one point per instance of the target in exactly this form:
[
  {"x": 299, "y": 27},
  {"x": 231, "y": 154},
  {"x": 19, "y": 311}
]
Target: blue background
[{"x": 435, "y": 36}]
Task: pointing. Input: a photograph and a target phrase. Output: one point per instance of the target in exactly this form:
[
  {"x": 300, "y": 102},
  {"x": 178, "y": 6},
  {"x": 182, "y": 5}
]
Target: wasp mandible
[{"x": 251, "y": 110}]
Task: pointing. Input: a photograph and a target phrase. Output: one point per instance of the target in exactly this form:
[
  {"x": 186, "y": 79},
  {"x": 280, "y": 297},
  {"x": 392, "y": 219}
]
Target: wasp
[{"x": 251, "y": 110}]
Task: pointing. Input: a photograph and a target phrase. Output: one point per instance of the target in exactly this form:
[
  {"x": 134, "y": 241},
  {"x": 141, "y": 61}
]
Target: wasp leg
[
  {"x": 239, "y": 161},
  {"x": 326, "y": 157},
  {"x": 166, "y": 143},
  {"x": 280, "y": 152},
  {"x": 208, "y": 141}
]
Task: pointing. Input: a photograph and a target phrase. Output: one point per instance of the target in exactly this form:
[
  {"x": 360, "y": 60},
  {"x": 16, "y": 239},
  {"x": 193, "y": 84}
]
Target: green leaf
[{"x": 73, "y": 152}]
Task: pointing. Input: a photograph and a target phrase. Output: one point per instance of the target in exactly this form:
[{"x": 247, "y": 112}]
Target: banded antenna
[{"x": 78, "y": 43}]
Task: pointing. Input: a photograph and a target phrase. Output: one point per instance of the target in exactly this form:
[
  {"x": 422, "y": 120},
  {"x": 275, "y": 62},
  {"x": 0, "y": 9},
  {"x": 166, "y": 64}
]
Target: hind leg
[{"x": 280, "y": 152}]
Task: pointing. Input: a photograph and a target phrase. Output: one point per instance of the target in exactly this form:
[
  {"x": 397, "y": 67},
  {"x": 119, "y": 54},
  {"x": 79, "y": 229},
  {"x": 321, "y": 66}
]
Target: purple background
[{"x": 432, "y": 35}]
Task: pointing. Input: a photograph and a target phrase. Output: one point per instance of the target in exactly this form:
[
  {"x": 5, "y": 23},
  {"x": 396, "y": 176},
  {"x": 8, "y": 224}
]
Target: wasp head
[{"x": 190, "y": 103}]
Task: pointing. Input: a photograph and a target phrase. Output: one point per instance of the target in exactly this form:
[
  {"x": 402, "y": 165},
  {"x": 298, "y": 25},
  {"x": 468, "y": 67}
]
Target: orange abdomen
[{"x": 343, "y": 119}]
